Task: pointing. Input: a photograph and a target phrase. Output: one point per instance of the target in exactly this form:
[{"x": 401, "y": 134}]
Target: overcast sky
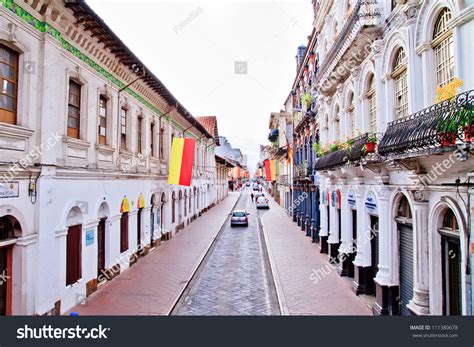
[{"x": 193, "y": 46}]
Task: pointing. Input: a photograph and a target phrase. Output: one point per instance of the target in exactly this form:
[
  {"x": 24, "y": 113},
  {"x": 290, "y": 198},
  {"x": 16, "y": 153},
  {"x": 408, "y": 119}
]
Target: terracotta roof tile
[{"x": 210, "y": 124}]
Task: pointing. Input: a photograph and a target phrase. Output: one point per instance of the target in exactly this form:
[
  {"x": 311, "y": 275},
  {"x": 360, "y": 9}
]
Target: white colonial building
[
  {"x": 398, "y": 217},
  {"x": 85, "y": 136}
]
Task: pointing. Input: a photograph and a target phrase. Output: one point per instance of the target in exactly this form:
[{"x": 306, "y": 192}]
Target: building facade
[
  {"x": 89, "y": 130},
  {"x": 394, "y": 166}
]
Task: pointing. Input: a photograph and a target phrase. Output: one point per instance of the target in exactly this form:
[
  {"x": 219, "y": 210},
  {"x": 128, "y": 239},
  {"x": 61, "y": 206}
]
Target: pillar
[{"x": 419, "y": 305}]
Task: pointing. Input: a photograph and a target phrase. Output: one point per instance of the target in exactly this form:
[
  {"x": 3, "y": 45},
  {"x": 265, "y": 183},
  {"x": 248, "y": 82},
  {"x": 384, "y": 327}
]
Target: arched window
[
  {"x": 7, "y": 228},
  {"x": 443, "y": 45},
  {"x": 404, "y": 210},
  {"x": 451, "y": 255},
  {"x": 450, "y": 222},
  {"x": 372, "y": 105},
  {"x": 9, "y": 80},
  {"x": 399, "y": 75},
  {"x": 350, "y": 115}
]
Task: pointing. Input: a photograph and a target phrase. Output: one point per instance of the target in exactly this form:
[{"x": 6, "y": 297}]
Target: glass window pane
[
  {"x": 7, "y": 56},
  {"x": 7, "y": 103},
  {"x": 8, "y": 88},
  {"x": 7, "y": 71},
  {"x": 72, "y": 122}
]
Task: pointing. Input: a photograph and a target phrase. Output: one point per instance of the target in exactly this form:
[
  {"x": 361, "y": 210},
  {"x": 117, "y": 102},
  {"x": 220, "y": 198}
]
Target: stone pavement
[
  {"x": 153, "y": 285},
  {"x": 235, "y": 277},
  {"x": 293, "y": 258}
]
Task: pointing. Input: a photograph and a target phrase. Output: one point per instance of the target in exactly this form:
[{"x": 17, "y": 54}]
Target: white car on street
[{"x": 262, "y": 202}]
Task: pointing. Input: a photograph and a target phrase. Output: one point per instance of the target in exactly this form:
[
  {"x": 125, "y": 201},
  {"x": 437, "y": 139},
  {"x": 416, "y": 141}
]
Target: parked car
[
  {"x": 257, "y": 195},
  {"x": 247, "y": 184},
  {"x": 262, "y": 202},
  {"x": 239, "y": 217},
  {"x": 255, "y": 186}
]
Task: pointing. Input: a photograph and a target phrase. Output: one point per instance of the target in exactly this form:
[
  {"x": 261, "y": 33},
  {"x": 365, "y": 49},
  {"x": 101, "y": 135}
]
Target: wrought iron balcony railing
[
  {"x": 443, "y": 124},
  {"x": 331, "y": 160}
]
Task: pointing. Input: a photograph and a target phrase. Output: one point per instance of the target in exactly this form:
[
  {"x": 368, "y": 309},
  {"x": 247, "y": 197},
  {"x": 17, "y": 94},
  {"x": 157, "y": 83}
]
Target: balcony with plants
[
  {"x": 349, "y": 152},
  {"x": 442, "y": 127}
]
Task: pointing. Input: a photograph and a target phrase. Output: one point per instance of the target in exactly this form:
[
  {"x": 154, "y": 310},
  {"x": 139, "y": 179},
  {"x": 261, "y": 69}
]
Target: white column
[
  {"x": 323, "y": 214},
  {"x": 384, "y": 266},
  {"x": 420, "y": 302},
  {"x": 346, "y": 232},
  {"x": 363, "y": 230}
]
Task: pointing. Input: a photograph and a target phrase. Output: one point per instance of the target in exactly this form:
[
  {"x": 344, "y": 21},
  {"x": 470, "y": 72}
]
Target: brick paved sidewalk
[
  {"x": 293, "y": 257},
  {"x": 152, "y": 286}
]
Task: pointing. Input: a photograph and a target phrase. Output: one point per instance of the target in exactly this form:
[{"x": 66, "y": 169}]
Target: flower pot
[
  {"x": 469, "y": 133},
  {"x": 448, "y": 139},
  {"x": 370, "y": 147}
]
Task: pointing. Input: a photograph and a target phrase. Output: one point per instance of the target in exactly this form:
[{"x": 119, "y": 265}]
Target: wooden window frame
[
  {"x": 103, "y": 138},
  {"x": 6, "y": 115},
  {"x": 139, "y": 134},
  {"x": 74, "y": 132},
  {"x": 123, "y": 128}
]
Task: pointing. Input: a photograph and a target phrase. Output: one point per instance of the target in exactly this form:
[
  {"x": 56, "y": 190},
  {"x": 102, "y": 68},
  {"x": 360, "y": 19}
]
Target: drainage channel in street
[{"x": 235, "y": 276}]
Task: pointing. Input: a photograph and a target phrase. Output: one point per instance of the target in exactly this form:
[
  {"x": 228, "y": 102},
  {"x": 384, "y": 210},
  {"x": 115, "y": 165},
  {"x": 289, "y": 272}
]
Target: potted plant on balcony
[
  {"x": 449, "y": 126},
  {"x": 467, "y": 121},
  {"x": 334, "y": 146},
  {"x": 371, "y": 143}
]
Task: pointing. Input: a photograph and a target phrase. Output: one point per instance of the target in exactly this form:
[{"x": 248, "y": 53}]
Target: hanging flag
[
  {"x": 125, "y": 206},
  {"x": 236, "y": 172},
  {"x": 141, "y": 202},
  {"x": 270, "y": 170},
  {"x": 289, "y": 153},
  {"x": 181, "y": 161}
]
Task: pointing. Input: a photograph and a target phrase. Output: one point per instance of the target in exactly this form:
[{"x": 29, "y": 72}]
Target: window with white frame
[
  {"x": 443, "y": 45},
  {"x": 399, "y": 75},
  {"x": 372, "y": 104}
]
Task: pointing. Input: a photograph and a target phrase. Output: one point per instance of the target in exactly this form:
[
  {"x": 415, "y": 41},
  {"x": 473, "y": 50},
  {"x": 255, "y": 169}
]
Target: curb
[
  {"x": 276, "y": 279},
  {"x": 199, "y": 262}
]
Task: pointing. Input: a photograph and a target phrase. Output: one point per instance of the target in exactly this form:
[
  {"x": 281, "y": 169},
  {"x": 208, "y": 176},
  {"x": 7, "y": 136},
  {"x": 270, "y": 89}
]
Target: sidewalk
[
  {"x": 152, "y": 286},
  {"x": 293, "y": 258}
]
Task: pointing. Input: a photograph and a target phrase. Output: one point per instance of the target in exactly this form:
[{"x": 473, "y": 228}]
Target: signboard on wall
[
  {"x": 90, "y": 237},
  {"x": 9, "y": 190},
  {"x": 371, "y": 204},
  {"x": 324, "y": 198},
  {"x": 336, "y": 199},
  {"x": 351, "y": 200}
]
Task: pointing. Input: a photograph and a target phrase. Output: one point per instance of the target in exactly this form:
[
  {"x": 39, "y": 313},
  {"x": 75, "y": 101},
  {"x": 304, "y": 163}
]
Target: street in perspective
[{"x": 257, "y": 158}]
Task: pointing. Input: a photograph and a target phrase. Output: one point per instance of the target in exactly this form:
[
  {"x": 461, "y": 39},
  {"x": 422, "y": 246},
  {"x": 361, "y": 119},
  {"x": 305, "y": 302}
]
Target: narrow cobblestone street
[{"x": 235, "y": 278}]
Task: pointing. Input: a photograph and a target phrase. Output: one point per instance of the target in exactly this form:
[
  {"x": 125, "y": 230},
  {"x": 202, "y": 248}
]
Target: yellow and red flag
[
  {"x": 270, "y": 170},
  {"x": 181, "y": 161},
  {"x": 289, "y": 154},
  {"x": 237, "y": 172}
]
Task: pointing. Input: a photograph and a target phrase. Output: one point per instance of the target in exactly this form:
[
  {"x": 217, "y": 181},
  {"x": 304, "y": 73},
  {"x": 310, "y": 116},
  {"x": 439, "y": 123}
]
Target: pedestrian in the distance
[{"x": 251, "y": 196}]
